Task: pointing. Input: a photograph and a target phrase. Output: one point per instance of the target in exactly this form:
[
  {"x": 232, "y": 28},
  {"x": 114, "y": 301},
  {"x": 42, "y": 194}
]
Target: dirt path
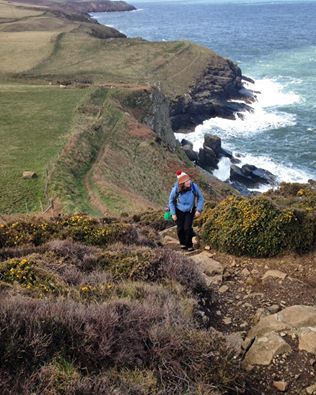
[{"x": 250, "y": 289}]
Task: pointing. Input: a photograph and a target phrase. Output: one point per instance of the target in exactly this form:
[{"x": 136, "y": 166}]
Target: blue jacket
[{"x": 185, "y": 201}]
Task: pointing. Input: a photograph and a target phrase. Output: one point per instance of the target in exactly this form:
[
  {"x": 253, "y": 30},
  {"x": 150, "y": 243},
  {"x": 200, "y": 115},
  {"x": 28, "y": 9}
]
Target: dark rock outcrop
[
  {"x": 208, "y": 156},
  {"x": 251, "y": 176},
  {"x": 241, "y": 178},
  {"x": 211, "y": 96},
  {"x": 156, "y": 115}
]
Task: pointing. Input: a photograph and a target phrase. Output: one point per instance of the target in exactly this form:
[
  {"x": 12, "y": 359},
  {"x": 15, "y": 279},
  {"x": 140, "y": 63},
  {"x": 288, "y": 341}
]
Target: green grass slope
[
  {"x": 34, "y": 124},
  {"x": 112, "y": 163},
  {"x": 91, "y": 148}
]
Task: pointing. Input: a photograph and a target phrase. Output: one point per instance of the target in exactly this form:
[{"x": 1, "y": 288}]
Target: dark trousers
[{"x": 184, "y": 227}]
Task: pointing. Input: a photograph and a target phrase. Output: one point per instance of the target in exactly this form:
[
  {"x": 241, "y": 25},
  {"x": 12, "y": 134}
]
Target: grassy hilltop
[{"x": 65, "y": 80}]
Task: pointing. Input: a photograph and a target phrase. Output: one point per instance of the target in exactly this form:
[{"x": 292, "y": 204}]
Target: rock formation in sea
[{"x": 212, "y": 95}]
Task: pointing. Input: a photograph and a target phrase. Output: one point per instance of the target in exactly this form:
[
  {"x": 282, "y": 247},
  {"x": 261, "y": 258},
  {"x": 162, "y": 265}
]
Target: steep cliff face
[
  {"x": 212, "y": 96},
  {"x": 158, "y": 117},
  {"x": 152, "y": 107}
]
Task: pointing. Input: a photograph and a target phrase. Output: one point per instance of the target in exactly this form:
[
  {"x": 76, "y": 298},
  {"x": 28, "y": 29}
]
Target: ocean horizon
[{"x": 274, "y": 43}]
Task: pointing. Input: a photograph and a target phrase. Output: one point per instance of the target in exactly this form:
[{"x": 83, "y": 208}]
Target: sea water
[{"x": 274, "y": 43}]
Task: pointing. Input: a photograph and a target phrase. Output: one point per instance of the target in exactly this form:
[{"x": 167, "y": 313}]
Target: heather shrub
[
  {"x": 143, "y": 263},
  {"x": 194, "y": 361},
  {"x": 258, "y": 228},
  {"x": 150, "y": 347},
  {"x": 93, "y": 337},
  {"x": 60, "y": 377}
]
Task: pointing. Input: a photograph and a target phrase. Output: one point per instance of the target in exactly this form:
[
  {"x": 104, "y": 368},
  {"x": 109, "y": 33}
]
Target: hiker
[{"x": 183, "y": 209}]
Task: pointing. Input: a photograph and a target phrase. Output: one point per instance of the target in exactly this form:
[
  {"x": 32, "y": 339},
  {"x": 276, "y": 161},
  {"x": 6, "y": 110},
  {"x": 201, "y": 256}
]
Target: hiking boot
[
  {"x": 183, "y": 247},
  {"x": 190, "y": 249}
]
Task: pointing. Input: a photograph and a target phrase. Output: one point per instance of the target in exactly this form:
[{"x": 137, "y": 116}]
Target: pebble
[
  {"x": 274, "y": 308},
  {"x": 280, "y": 385},
  {"x": 223, "y": 289},
  {"x": 227, "y": 320}
]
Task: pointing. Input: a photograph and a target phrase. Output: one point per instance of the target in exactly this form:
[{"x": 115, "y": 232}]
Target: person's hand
[
  {"x": 174, "y": 217},
  {"x": 197, "y": 214}
]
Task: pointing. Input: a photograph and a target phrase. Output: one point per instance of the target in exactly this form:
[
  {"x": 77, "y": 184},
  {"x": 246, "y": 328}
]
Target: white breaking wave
[
  {"x": 271, "y": 94},
  {"x": 283, "y": 172},
  {"x": 266, "y": 116}
]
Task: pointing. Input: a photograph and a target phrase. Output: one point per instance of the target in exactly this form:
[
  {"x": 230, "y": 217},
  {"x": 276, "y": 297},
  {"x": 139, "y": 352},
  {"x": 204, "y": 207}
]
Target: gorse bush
[
  {"x": 77, "y": 227},
  {"x": 28, "y": 274},
  {"x": 258, "y": 228}
]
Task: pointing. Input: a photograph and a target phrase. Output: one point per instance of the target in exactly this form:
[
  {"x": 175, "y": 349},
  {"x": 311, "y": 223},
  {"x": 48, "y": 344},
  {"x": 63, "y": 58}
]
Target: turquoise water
[{"x": 275, "y": 44}]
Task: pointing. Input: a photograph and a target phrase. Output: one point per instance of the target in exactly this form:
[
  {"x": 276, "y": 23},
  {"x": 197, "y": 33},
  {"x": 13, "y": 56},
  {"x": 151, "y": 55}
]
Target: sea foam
[{"x": 266, "y": 115}]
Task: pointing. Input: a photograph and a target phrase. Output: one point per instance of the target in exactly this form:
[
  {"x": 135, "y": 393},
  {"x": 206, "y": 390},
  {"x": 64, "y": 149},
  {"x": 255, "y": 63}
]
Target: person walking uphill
[{"x": 182, "y": 207}]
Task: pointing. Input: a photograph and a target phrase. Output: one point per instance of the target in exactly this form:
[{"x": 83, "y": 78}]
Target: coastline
[{"x": 272, "y": 134}]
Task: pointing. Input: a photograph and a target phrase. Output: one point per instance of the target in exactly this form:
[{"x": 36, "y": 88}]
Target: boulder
[
  {"x": 241, "y": 188},
  {"x": 274, "y": 274},
  {"x": 290, "y": 318},
  {"x": 207, "y": 159},
  {"x": 185, "y": 142},
  {"x": 213, "y": 142},
  {"x": 259, "y": 175},
  {"x": 192, "y": 155},
  {"x": 29, "y": 174},
  {"x": 265, "y": 348},
  {"x": 226, "y": 153},
  {"x": 280, "y": 385},
  {"x": 209, "y": 266},
  {"x": 251, "y": 176},
  {"x": 307, "y": 339},
  {"x": 311, "y": 390}
]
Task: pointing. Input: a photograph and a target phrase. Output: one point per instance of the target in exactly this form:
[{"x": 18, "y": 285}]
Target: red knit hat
[{"x": 182, "y": 177}]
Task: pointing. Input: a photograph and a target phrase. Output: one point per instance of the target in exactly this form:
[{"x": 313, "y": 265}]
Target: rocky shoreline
[
  {"x": 213, "y": 95},
  {"x": 219, "y": 92},
  {"x": 242, "y": 178}
]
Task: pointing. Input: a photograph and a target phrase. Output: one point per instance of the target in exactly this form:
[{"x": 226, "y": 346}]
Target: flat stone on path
[
  {"x": 311, "y": 390},
  {"x": 209, "y": 266},
  {"x": 170, "y": 240},
  {"x": 290, "y": 318},
  {"x": 307, "y": 339},
  {"x": 274, "y": 274},
  {"x": 265, "y": 348}
]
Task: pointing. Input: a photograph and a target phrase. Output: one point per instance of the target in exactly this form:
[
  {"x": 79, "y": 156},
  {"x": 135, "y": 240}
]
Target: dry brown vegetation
[{"x": 76, "y": 318}]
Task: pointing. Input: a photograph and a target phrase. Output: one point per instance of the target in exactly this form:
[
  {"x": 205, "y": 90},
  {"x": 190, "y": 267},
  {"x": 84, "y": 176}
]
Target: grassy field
[
  {"x": 21, "y": 51},
  {"x": 34, "y": 123},
  {"x": 11, "y": 12},
  {"x": 173, "y": 65},
  {"x": 109, "y": 161}
]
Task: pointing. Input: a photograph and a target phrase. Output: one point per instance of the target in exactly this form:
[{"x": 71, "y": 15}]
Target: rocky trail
[{"x": 266, "y": 309}]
